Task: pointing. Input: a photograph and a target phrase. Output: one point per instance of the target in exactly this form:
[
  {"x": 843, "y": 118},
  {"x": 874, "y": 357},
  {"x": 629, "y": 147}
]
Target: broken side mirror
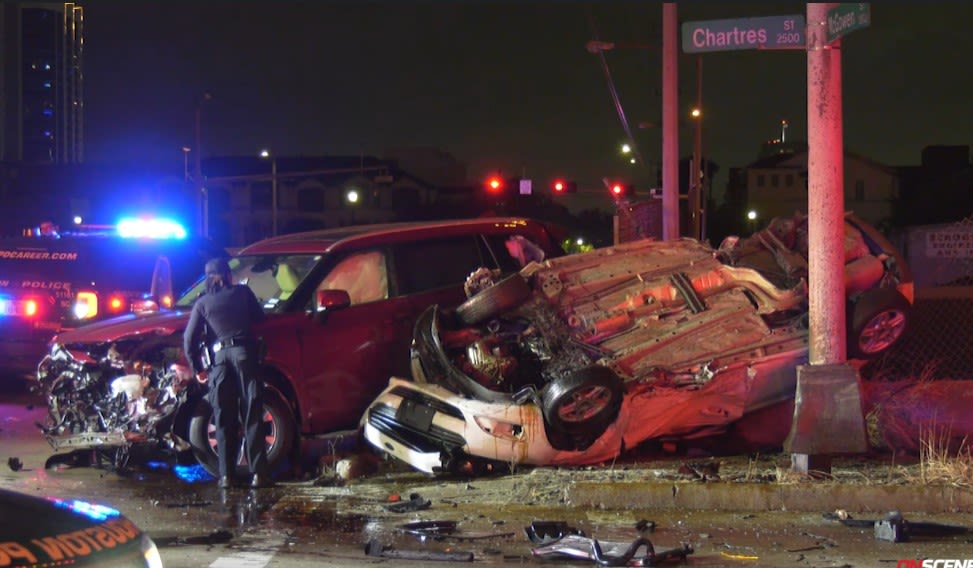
[{"x": 326, "y": 301}]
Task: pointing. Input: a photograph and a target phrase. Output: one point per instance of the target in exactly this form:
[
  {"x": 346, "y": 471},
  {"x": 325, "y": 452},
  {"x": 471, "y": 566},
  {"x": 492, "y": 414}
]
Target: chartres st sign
[{"x": 770, "y": 32}]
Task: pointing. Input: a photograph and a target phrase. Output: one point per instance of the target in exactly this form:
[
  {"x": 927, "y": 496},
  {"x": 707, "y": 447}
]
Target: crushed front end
[{"x": 115, "y": 394}]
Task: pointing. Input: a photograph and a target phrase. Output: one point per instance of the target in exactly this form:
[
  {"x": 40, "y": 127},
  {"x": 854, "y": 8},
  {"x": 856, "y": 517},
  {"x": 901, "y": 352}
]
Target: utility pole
[
  {"x": 697, "y": 168},
  {"x": 827, "y": 415},
  {"x": 670, "y": 123}
]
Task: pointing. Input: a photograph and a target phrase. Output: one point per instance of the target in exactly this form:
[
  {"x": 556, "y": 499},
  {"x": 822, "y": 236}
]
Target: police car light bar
[{"x": 151, "y": 229}]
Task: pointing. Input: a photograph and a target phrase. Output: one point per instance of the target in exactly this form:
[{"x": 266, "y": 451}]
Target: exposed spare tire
[
  {"x": 580, "y": 405},
  {"x": 490, "y": 302},
  {"x": 281, "y": 429},
  {"x": 876, "y": 322}
]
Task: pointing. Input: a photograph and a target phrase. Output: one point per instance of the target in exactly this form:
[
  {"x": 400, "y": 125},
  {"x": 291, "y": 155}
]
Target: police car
[
  {"x": 52, "y": 280},
  {"x": 48, "y": 531}
]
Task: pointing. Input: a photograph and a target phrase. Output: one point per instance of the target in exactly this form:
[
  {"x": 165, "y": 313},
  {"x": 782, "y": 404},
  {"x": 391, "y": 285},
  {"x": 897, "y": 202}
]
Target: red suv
[{"x": 341, "y": 307}]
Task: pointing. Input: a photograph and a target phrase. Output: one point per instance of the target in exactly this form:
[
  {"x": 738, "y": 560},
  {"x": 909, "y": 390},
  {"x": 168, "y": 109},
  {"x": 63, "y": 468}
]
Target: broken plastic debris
[{"x": 415, "y": 503}]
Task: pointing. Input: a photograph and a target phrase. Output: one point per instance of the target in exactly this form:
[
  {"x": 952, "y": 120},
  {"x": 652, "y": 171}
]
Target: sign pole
[
  {"x": 670, "y": 123},
  {"x": 820, "y": 411}
]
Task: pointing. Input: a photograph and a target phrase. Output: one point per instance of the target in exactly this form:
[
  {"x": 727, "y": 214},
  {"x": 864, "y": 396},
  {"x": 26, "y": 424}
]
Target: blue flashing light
[
  {"x": 151, "y": 229},
  {"x": 90, "y": 510}
]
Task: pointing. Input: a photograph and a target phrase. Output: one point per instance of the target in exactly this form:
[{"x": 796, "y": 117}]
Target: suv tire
[{"x": 280, "y": 436}]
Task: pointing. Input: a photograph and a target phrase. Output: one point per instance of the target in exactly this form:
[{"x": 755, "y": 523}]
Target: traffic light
[
  {"x": 620, "y": 190},
  {"x": 560, "y": 186},
  {"x": 495, "y": 184}
]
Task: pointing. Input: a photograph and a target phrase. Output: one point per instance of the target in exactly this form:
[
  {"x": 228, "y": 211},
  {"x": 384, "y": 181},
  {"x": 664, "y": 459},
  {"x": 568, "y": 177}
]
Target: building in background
[
  {"x": 776, "y": 186},
  {"x": 41, "y": 72}
]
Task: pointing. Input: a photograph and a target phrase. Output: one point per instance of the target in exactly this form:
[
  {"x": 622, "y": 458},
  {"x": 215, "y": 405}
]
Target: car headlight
[{"x": 151, "y": 553}]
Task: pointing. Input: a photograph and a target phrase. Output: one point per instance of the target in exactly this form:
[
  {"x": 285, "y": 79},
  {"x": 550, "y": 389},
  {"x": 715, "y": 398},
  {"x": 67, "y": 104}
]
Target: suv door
[{"x": 349, "y": 357}]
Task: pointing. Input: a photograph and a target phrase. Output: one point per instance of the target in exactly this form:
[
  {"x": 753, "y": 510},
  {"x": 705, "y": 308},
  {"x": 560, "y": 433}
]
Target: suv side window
[
  {"x": 513, "y": 252},
  {"x": 433, "y": 264},
  {"x": 362, "y": 274}
]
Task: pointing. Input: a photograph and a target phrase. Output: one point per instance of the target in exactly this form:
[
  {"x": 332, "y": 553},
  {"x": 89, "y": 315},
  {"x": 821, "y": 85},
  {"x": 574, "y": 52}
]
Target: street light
[
  {"x": 752, "y": 217},
  {"x": 697, "y": 188},
  {"x": 273, "y": 190},
  {"x": 696, "y": 177},
  {"x": 203, "y": 207}
]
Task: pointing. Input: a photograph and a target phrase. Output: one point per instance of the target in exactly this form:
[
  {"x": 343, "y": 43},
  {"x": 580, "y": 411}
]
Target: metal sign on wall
[{"x": 770, "y": 32}]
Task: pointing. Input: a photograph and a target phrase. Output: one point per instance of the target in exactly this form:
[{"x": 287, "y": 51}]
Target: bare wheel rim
[
  {"x": 269, "y": 426},
  {"x": 882, "y": 331},
  {"x": 584, "y": 403}
]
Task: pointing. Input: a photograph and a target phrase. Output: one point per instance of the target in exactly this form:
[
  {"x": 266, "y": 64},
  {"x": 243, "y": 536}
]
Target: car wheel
[
  {"x": 490, "y": 302},
  {"x": 583, "y": 403},
  {"x": 877, "y": 321},
  {"x": 280, "y": 434}
]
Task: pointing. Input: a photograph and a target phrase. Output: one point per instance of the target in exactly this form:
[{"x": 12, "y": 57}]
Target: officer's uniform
[{"x": 230, "y": 313}]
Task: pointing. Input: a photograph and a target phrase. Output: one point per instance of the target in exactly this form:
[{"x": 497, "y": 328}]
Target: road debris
[
  {"x": 375, "y": 548},
  {"x": 555, "y": 539},
  {"x": 15, "y": 464},
  {"x": 895, "y": 528},
  {"x": 415, "y": 503}
]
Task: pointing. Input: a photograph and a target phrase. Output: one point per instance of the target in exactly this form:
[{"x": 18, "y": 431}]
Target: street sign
[
  {"x": 525, "y": 187},
  {"x": 770, "y": 32},
  {"x": 846, "y": 18}
]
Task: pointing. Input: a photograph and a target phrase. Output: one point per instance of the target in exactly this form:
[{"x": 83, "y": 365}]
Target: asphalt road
[{"x": 303, "y": 523}]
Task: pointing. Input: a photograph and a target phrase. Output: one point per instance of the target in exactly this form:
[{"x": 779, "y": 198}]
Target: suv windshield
[{"x": 273, "y": 277}]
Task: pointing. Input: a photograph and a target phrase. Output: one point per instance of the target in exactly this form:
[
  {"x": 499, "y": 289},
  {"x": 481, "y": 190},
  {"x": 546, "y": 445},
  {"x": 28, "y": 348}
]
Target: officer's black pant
[{"x": 234, "y": 394}]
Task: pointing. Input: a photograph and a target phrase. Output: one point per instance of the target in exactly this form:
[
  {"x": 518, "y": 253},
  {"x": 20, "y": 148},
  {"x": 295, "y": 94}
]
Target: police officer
[{"x": 230, "y": 311}]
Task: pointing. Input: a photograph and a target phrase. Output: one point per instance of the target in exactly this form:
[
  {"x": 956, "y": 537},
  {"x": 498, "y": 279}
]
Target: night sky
[{"x": 500, "y": 85}]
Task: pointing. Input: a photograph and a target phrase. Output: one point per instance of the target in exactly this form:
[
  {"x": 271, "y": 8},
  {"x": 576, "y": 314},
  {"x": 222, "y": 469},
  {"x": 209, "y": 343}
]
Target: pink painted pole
[{"x": 825, "y": 196}]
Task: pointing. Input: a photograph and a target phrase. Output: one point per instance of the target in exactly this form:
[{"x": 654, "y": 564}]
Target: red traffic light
[
  {"x": 559, "y": 186},
  {"x": 494, "y": 184},
  {"x": 619, "y": 190}
]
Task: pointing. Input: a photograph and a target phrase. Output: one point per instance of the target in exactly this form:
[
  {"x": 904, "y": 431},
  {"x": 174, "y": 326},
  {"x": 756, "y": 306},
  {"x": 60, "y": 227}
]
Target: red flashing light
[
  {"x": 30, "y": 308},
  {"x": 558, "y": 186},
  {"x": 617, "y": 189}
]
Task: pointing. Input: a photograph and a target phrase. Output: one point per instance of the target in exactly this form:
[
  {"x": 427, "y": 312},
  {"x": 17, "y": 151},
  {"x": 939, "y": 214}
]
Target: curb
[{"x": 810, "y": 497}]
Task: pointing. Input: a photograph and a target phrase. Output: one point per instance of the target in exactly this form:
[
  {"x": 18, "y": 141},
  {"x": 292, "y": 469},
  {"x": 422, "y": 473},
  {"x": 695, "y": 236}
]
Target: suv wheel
[{"x": 280, "y": 434}]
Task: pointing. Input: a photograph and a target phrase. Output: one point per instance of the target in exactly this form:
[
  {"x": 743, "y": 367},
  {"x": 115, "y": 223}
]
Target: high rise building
[{"x": 41, "y": 82}]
